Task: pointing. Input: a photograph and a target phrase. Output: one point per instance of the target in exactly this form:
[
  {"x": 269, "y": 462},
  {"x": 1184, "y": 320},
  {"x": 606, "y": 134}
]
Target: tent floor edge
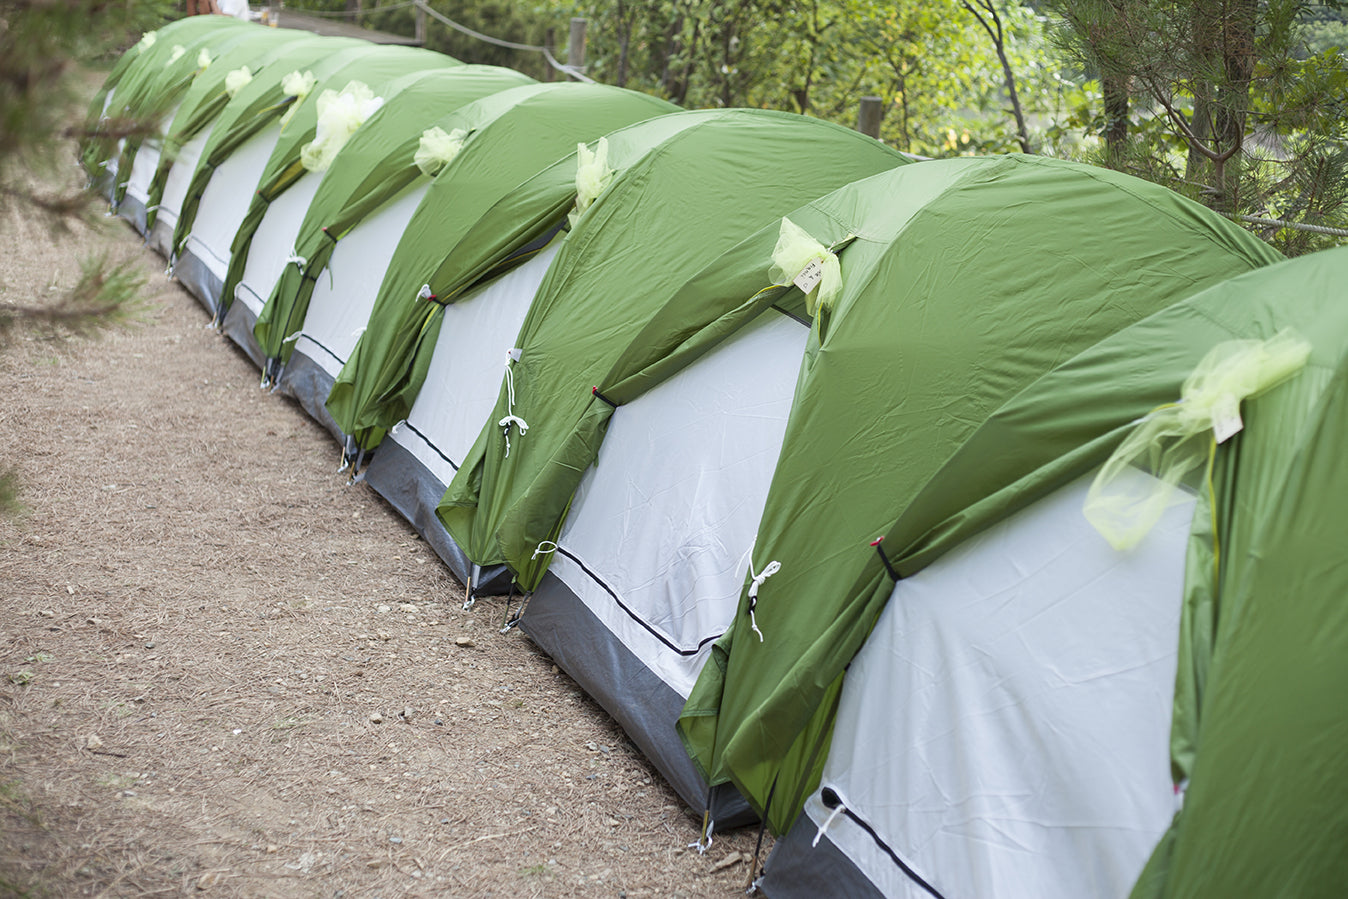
[
  {"x": 200, "y": 281},
  {"x": 238, "y": 327},
  {"x": 800, "y": 869},
  {"x": 642, "y": 704},
  {"x": 410, "y": 488}
]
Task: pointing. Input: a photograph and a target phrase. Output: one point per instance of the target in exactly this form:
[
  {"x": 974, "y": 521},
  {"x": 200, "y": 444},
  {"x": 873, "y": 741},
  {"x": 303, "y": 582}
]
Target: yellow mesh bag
[
  {"x": 298, "y": 85},
  {"x": 796, "y": 250},
  {"x": 237, "y": 80},
  {"x": 592, "y": 176},
  {"x": 1174, "y": 439},
  {"x": 339, "y": 115},
  {"x": 438, "y": 149}
]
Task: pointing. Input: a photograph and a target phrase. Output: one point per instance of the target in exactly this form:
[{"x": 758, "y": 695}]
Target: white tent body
[
  {"x": 418, "y": 458},
  {"x": 143, "y": 167},
  {"x": 341, "y": 304},
  {"x": 224, "y": 203},
  {"x": 272, "y": 248},
  {"x": 656, "y": 547},
  {"x": 171, "y": 198},
  {"x": 1004, "y": 732}
]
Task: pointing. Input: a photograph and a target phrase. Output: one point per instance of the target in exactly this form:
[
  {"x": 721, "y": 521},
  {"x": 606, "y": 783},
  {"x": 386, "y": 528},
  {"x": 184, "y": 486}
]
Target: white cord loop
[
  {"x": 757, "y": 581},
  {"x": 511, "y": 418},
  {"x": 539, "y": 549},
  {"x": 819, "y": 834}
]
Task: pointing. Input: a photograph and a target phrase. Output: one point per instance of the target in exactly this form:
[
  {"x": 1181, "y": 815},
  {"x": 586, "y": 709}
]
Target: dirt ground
[{"x": 224, "y": 672}]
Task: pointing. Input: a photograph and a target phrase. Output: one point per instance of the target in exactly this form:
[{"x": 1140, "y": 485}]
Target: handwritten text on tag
[{"x": 810, "y": 276}]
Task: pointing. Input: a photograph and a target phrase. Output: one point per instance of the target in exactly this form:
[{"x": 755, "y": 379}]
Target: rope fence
[{"x": 571, "y": 71}]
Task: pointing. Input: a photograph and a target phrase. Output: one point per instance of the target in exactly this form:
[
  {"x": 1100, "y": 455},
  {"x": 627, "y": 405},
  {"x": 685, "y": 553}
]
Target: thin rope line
[
  {"x": 571, "y": 71},
  {"x": 1295, "y": 226},
  {"x": 350, "y": 13}
]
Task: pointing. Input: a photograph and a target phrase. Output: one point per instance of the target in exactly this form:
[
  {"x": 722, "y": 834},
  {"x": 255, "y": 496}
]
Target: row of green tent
[{"x": 789, "y": 442}]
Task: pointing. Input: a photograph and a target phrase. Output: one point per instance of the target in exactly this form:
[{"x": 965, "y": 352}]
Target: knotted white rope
[
  {"x": 511, "y": 418},
  {"x": 819, "y": 834},
  {"x": 757, "y": 581}
]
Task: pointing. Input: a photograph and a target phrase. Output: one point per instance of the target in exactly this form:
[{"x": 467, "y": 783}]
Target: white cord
[
  {"x": 772, "y": 568},
  {"x": 511, "y": 418},
  {"x": 819, "y": 834}
]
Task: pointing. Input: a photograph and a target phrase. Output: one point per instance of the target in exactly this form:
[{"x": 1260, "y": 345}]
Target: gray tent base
[
  {"x": 133, "y": 211},
  {"x": 198, "y": 278},
  {"x": 238, "y": 327},
  {"x": 399, "y": 477},
  {"x": 644, "y": 705},
  {"x": 307, "y": 383},
  {"x": 160, "y": 238},
  {"x": 798, "y": 870}
]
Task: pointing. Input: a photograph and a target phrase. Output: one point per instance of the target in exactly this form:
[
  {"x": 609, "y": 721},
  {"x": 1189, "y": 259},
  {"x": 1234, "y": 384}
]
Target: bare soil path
[{"x": 224, "y": 672}]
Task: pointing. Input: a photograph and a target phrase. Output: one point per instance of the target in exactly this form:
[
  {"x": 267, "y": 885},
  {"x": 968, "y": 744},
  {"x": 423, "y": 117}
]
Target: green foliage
[
  {"x": 1236, "y": 103},
  {"x": 39, "y": 40}
]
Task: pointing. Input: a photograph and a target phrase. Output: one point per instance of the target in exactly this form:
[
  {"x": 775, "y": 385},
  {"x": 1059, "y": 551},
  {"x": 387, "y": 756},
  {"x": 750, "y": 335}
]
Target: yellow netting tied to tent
[
  {"x": 339, "y": 115},
  {"x": 204, "y": 59},
  {"x": 592, "y": 176},
  {"x": 147, "y": 41},
  {"x": 438, "y": 149},
  {"x": 179, "y": 51},
  {"x": 1175, "y": 439},
  {"x": 237, "y": 80},
  {"x": 298, "y": 85},
  {"x": 801, "y": 260}
]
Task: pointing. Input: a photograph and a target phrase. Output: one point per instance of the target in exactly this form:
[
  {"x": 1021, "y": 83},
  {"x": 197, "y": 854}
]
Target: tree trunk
[{"x": 1115, "y": 90}]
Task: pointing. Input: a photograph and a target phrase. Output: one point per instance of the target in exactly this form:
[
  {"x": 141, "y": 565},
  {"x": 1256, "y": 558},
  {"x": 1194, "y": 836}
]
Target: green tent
[
  {"x": 537, "y": 125},
  {"x": 206, "y": 96},
  {"x": 156, "y": 95},
  {"x": 383, "y": 70},
  {"x": 530, "y": 215},
  {"x": 140, "y": 73},
  {"x": 375, "y": 166},
  {"x": 660, "y": 220},
  {"x": 968, "y": 281},
  {"x": 260, "y": 103},
  {"x": 526, "y": 217},
  {"x": 1258, "y": 717}
]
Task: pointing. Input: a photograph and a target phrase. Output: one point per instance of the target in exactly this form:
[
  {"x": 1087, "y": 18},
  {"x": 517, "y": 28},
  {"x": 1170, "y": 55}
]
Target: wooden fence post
[
  {"x": 575, "y": 48},
  {"x": 869, "y": 115},
  {"x": 550, "y": 42}
]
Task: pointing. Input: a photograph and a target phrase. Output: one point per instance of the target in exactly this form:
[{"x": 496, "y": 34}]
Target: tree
[
  {"x": 1225, "y": 101},
  {"x": 38, "y": 42}
]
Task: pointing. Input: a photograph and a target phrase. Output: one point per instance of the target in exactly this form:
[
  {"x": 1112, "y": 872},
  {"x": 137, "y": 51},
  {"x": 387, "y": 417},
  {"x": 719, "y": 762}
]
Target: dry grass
[{"x": 201, "y": 620}]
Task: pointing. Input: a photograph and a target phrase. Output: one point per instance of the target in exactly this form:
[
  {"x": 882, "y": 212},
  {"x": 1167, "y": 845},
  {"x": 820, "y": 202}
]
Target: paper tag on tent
[
  {"x": 1226, "y": 421},
  {"x": 810, "y": 276},
  {"x": 515, "y": 353}
]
